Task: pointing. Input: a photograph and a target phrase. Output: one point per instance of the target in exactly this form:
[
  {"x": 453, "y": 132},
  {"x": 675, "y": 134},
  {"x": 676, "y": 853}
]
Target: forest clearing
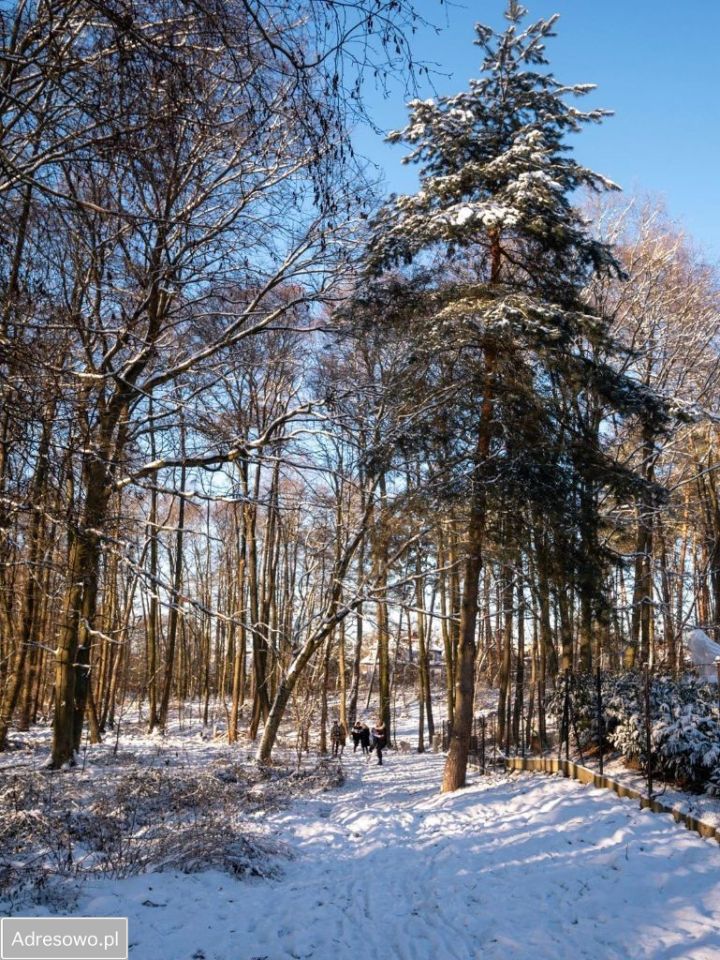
[{"x": 337, "y": 484}]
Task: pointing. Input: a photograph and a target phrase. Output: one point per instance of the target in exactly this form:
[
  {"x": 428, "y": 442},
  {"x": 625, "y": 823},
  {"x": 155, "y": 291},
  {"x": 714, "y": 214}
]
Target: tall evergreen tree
[{"x": 494, "y": 205}]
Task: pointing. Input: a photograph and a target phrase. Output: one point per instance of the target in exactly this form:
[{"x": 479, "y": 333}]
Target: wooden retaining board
[{"x": 576, "y": 771}]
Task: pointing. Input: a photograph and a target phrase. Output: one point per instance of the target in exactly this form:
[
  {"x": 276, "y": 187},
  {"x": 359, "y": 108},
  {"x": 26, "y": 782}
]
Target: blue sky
[{"x": 656, "y": 64}]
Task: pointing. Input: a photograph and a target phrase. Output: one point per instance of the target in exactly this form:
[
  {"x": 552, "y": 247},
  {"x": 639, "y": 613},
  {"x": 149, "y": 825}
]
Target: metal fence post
[
  {"x": 648, "y": 731},
  {"x": 573, "y": 720},
  {"x": 565, "y": 723},
  {"x": 483, "y": 723},
  {"x": 600, "y": 720}
]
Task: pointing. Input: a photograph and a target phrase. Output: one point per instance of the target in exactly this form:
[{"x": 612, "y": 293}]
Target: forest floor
[{"x": 386, "y": 867}]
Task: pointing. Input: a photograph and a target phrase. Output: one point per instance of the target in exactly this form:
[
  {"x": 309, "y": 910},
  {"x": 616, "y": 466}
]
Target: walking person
[
  {"x": 356, "y": 734},
  {"x": 337, "y": 738},
  {"x": 365, "y": 739},
  {"x": 379, "y": 739}
]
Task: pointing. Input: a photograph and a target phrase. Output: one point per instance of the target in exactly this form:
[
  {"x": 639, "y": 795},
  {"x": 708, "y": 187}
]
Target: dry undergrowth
[{"x": 58, "y": 828}]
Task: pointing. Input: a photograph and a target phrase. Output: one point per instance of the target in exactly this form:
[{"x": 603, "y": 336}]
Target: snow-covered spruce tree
[{"x": 496, "y": 177}]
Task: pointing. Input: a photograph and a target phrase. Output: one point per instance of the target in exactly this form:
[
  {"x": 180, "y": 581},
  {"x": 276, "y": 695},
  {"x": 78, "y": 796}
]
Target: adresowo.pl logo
[{"x": 64, "y": 938}]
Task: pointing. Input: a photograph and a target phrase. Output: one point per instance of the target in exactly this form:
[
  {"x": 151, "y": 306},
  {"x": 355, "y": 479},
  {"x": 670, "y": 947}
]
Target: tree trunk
[
  {"x": 16, "y": 677},
  {"x": 380, "y": 545},
  {"x": 506, "y": 659},
  {"x": 357, "y": 652},
  {"x": 152, "y": 631},
  {"x": 520, "y": 666},
  {"x": 175, "y": 600},
  {"x": 456, "y": 763},
  {"x": 79, "y": 611}
]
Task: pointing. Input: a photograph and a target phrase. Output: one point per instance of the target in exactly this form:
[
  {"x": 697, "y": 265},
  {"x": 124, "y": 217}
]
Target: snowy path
[{"x": 525, "y": 867}]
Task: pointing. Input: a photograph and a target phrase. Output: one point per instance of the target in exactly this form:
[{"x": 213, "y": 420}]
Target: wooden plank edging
[{"x": 576, "y": 771}]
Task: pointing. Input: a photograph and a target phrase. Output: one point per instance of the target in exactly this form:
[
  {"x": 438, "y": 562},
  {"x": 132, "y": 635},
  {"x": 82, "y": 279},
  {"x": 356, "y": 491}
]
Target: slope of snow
[{"x": 386, "y": 867}]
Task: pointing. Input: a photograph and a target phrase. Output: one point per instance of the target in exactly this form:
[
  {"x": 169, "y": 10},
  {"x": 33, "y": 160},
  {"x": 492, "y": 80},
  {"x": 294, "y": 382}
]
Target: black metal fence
[
  {"x": 585, "y": 718},
  {"x": 665, "y": 730},
  {"x": 484, "y": 750}
]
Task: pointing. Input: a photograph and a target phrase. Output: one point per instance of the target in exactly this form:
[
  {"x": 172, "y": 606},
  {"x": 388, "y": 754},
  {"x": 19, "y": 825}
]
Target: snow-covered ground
[{"x": 511, "y": 867}]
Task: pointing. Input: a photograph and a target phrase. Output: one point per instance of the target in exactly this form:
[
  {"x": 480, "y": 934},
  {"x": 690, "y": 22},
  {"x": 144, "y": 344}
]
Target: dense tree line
[{"x": 260, "y": 432}]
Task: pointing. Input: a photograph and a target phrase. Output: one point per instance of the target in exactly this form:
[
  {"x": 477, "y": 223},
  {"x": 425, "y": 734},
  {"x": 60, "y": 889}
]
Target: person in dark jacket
[
  {"x": 379, "y": 739},
  {"x": 357, "y": 734},
  {"x": 365, "y": 739}
]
